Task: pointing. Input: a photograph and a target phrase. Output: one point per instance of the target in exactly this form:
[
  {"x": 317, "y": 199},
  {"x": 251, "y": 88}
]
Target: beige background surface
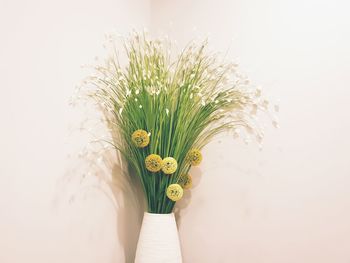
[{"x": 288, "y": 203}]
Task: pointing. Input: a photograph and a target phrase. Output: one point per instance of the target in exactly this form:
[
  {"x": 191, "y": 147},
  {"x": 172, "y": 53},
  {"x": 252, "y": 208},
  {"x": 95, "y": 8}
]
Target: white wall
[
  {"x": 288, "y": 203},
  {"x": 291, "y": 202},
  {"x": 42, "y": 46}
]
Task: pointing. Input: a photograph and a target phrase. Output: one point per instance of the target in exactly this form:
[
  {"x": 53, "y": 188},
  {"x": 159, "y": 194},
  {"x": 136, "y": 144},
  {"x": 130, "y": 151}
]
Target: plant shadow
[{"x": 128, "y": 195}]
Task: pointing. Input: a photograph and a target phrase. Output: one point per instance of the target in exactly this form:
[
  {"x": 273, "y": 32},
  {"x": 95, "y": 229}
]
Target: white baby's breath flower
[
  {"x": 247, "y": 140},
  {"x": 258, "y": 91},
  {"x": 236, "y": 133},
  {"x": 265, "y": 104},
  {"x": 153, "y": 90},
  {"x": 259, "y": 137},
  {"x": 254, "y": 110},
  {"x": 275, "y": 124}
]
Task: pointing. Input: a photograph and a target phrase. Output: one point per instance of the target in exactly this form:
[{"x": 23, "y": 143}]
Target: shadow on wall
[
  {"x": 114, "y": 181},
  {"x": 128, "y": 194}
]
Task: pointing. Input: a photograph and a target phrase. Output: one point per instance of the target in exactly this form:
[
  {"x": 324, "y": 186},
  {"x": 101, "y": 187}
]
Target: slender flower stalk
[{"x": 162, "y": 111}]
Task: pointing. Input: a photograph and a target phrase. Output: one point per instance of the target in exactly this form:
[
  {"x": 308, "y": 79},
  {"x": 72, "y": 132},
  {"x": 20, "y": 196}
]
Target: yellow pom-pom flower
[
  {"x": 185, "y": 181},
  {"x": 169, "y": 165},
  {"x": 174, "y": 192},
  {"x": 195, "y": 157},
  {"x": 153, "y": 163},
  {"x": 140, "y": 138}
]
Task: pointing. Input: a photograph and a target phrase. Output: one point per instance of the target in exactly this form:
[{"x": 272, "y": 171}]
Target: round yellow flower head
[
  {"x": 153, "y": 163},
  {"x": 195, "y": 157},
  {"x": 174, "y": 192},
  {"x": 169, "y": 165},
  {"x": 140, "y": 138},
  {"x": 185, "y": 181}
]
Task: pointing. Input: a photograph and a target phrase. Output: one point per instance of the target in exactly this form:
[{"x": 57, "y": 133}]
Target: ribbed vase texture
[{"x": 158, "y": 240}]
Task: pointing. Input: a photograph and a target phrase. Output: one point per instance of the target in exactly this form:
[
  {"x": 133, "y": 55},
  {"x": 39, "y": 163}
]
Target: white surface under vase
[{"x": 159, "y": 240}]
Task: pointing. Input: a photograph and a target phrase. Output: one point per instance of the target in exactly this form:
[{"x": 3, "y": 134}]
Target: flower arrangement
[{"x": 163, "y": 110}]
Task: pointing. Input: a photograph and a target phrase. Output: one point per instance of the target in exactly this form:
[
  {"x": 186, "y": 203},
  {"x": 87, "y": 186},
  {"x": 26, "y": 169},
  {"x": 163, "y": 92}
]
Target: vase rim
[{"x": 156, "y": 214}]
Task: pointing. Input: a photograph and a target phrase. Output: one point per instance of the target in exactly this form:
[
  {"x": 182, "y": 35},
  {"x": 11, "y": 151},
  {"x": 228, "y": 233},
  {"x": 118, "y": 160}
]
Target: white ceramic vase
[{"x": 158, "y": 240}]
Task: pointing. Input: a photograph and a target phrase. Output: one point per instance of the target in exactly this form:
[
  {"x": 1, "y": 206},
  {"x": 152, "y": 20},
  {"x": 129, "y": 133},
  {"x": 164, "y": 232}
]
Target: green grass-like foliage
[{"x": 183, "y": 102}]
